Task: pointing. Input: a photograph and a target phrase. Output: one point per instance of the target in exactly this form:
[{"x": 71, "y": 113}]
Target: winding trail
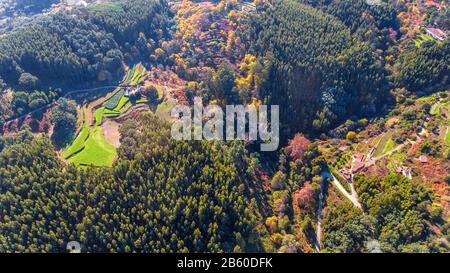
[
  {"x": 319, "y": 218},
  {"x": 68, "y": 94}
]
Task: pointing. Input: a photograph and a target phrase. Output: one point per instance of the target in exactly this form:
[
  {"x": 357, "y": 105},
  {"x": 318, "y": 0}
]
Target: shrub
[{"x": 351, "y": 135}]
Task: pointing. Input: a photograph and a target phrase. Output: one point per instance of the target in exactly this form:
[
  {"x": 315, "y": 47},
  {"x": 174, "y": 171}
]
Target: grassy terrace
[
  {"x": 78, "y": 144},
  {"x": 97, "y": 151},
  {"x": 384, "y": 145},
  {"x": 90, "y": 148},
  {"x": 437, "y": 108},
  {"x": 136, "y": 75}
]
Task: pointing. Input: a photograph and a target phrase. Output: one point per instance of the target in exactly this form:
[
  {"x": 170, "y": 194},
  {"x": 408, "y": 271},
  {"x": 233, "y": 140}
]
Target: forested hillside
[
  {"x": 8, "y": 7},
  {"x": 372, "y": 22},
  {"x": 161, "y": 196},
  {"x": 63, "y": 49},
  {"x": 425, "y": 69},
  {"x": 137, "y": 25},
  {"x": 87, "y": 90},
  {"x": 60, "y": 48},
  {"x": 317, "y": 69}
]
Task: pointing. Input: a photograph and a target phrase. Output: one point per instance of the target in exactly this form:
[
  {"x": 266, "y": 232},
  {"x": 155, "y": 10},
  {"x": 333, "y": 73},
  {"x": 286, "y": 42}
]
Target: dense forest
[
  {"x": 373, "y": 23},
  {"x": 60, "y": 48},
  {"x": 425, "y": 69},
  {"x": 63, "y": 49},
  {"x": 143, "y": 204},
  {"x": 51, "y": 55},
  {"x": 137, "y": 26},
  {"x": 8, "y": 7},
  {"x": 316, "y": 67},
  {"x": 398, "y": 211}
]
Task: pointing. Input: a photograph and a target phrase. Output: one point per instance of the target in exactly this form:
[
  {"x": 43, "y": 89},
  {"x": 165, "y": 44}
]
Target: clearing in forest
[
  {"x": 91, "y": 148},
  {"x": 98, "y": 137}
]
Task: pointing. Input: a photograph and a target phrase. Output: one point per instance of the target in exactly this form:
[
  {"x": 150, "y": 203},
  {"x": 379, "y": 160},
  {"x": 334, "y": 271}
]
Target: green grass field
[
  {"x": 110, "y": 113},
  {"x": 384, "y": 144},
  {"x": 78, "y": 144},
  {"x": 91, "y": 148},
  {"x": 123, "y": 101},
  {"x": 114, "y": 100},
  {"x": 94, "y": 149},
  {"x": 99, "y": 116},
  {"x": 97, "y": 151}
]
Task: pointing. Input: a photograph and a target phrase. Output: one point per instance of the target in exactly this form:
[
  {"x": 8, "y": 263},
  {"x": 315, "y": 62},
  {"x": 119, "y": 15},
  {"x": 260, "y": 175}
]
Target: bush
[
  {"x": 28, "y": 81},
  {"x": 151, "y": 93},
  {"x": 278, "y": 181},
  {"x": 447, "y": 179},
  {"x": 351, "y": 135}
]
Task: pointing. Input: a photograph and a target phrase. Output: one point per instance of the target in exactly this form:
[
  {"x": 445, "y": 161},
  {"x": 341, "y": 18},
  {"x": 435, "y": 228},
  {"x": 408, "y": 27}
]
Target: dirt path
[
  {"x": 7, "y": 122},
  {"x": 317, "y": 244},
  {"x": 352, "y": 197}
]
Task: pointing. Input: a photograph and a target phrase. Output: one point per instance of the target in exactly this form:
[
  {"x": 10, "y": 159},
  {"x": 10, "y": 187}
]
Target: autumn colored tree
[{"x": 298, "y": 145}]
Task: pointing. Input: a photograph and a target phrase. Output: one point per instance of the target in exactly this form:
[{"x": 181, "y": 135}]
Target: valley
[{"x": 87, "y": 89}]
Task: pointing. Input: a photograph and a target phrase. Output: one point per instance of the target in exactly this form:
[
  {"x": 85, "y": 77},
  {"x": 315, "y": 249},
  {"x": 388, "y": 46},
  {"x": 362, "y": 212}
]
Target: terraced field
[
  {"x": 97, "y": 151},
  {"x": 437, "y": 108},
  {"x": 136, "y": 75},
  {"x": 383, "y": 144},
  {"x": 91, "y": 148},
  {"x": 78, "y": 144}
]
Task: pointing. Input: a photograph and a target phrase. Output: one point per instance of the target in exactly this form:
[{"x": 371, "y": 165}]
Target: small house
[
  {"x": 436, "y": 33},
  {"x": 357, "y": 167}
]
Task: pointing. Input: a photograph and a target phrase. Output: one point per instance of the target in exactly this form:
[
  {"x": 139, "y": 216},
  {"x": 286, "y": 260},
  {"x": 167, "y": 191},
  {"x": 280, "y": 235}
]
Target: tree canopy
[{"x": 318, "y": 69}]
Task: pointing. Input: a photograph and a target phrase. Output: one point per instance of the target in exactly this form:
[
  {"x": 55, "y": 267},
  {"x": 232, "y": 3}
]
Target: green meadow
[{"x": 90, "y": 148}]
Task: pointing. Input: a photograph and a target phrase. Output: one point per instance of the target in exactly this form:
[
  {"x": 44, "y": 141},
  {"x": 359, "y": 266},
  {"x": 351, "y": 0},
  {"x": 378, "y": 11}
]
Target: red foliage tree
[
  {"x": 304, "y": 198},
  {"x": 298, "y": 145}
]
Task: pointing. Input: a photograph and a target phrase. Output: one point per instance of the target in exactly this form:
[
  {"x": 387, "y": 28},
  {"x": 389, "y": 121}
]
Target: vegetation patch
[
  {"x": 136, "y": 75},
  {"x": 436, "y": 109},
  {"x": 114, "y": 100},
  {"x": 99, "y": 116},
  {"x": 384, "y": 144},
  {"x": 110, "y": 113},
  {"x": 421, "y": 38},
  {"x": 122, "y": 103},
  {"x": 78, "y": 144},
  {"x": 447, "y": 137},
  {"x": 97, "y": 151},
  {"x": 163, "y": 109},
  {"x": 105, "y": 7}
]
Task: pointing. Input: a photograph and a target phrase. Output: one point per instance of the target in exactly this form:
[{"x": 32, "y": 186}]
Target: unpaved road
[
  {"x": 68, "y": 94},
  {"x": 319, "y": 220},
  {"x": 352, "y": 197}
]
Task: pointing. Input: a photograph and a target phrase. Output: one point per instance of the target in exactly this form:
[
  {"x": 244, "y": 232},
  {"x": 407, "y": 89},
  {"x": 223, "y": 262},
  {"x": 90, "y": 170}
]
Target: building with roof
[{"x": 436, "y": 33}]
